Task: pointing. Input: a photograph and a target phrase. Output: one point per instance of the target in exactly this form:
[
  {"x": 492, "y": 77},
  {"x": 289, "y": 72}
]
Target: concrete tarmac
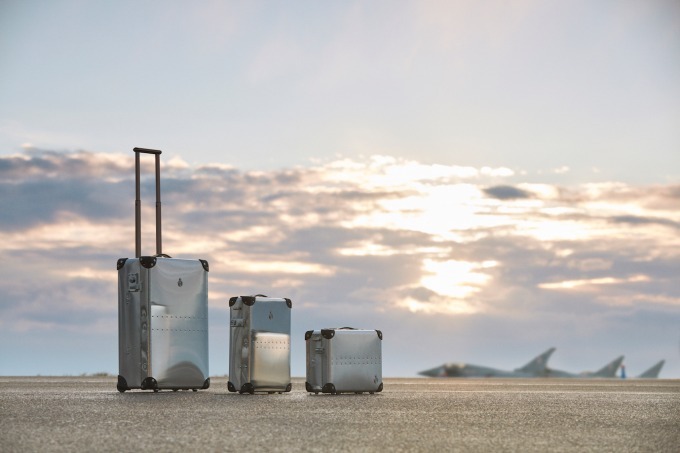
[{"x": 525, "y": 415}]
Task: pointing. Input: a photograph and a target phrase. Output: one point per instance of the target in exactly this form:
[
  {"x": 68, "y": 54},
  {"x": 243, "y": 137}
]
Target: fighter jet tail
[
  {"x": 538, "y": 365},
  {"x": 609, "y": 370},
  {"x": 653, "y": 372}
]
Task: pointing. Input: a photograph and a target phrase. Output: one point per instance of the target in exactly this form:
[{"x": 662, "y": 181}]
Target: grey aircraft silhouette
[
  {"x": 653, "y": 372},
  {"x": 534, "y": 368},
  {"x": 607, "y": 371}
]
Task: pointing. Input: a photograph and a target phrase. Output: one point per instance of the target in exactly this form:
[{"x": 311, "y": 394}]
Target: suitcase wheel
[
  {"x": 316, "y": 393},
  {"x": 155, "y": 390},
  {"x": 194, "y": 390},
  {"x": 247, "y": 388},
  {"x": 174, "y": 390},
  {"x": 371, "y": 393},
  {"x": 150, "y": 383}
]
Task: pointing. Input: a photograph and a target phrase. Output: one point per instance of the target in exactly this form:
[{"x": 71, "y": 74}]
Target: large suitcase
[
  {"x": 162, "y": 313},
  {"x": 344, "y": 360},
  {"x": 259, "y": 350}
]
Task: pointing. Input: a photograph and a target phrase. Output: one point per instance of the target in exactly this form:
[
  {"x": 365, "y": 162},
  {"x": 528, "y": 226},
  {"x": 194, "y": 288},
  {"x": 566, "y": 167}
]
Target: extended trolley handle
[{"x": 138, "y": 203}]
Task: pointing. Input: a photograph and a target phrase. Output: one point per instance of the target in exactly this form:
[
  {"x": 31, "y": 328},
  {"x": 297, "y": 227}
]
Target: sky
[{"x": 479, "y": 180}]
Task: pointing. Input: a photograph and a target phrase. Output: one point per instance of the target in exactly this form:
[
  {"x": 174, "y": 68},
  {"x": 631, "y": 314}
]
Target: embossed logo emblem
[
  {"x": 179, "y": 283},
  {"x": 271, "y": 315}
]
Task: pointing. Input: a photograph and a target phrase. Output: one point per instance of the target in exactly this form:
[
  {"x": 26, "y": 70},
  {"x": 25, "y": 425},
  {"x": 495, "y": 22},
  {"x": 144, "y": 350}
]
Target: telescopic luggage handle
[{"x": 138, "y": 203}]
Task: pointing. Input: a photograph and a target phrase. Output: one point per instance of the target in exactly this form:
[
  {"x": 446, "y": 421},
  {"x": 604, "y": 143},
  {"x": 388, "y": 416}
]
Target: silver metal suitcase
[
  {"x": 162, "y": 313},
  {"x": 344, "y": 360},
  {"x": 259, "y": 350}
]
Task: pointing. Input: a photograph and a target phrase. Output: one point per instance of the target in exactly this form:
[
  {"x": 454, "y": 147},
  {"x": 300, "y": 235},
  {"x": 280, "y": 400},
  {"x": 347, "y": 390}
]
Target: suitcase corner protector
[
  {"x": 147, "y": 261},
  {"x": 248, "y": 300},
  {"x": 122, "y": 384},
  {"x": 328, "y": 333}
]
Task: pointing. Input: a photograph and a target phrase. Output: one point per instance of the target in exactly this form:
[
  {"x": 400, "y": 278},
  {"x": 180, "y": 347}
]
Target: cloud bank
[{"x": 452, "y": 263}]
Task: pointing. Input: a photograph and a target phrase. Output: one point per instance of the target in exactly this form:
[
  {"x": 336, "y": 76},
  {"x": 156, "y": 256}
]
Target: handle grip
[
  {"x": 147, "y": 150},
  {"x": 138, "y": 203}
]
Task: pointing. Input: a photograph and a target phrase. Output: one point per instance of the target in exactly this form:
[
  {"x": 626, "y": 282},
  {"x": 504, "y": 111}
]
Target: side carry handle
[{"x": 138, "y": 203}]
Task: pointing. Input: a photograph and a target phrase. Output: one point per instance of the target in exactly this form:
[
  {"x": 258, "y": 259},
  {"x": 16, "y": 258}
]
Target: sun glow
[
  {"x": 450, "y": 306},
  {"x": 455, "y": 279}
]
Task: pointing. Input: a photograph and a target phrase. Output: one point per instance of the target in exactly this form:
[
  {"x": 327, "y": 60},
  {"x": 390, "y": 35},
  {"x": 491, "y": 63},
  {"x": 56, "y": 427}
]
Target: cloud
[
  {"x": 637, "y": 220},
  {"x": 376, "y": 240},
  {"x": 506, "y": 192}
]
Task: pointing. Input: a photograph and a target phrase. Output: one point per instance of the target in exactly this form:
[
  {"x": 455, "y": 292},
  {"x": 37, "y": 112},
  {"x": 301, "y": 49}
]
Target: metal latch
[{"x": 133, "y": 282}]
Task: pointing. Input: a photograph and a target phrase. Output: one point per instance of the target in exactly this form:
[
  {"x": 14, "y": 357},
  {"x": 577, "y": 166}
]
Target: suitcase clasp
[{"x": 133, "y": 282}]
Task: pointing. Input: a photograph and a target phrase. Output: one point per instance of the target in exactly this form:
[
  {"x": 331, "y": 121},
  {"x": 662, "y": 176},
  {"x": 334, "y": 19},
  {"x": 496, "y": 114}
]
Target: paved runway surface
[{"x": 88, "y": 414}]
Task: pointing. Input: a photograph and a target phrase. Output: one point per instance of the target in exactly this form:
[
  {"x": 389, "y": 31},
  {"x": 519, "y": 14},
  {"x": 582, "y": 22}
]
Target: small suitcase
[
  {"x": 162, "y": 313},
  {"x": 259, "y": 350},
  {"x": 344, "y": 360}
]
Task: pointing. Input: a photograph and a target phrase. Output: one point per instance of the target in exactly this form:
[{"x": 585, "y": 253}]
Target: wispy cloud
[{"x": 351, "y": 240}]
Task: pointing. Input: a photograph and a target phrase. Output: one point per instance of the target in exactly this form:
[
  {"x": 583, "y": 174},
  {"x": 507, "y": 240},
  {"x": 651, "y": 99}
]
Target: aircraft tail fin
[
  {"x": 653, "y": 372},
  {"x": 538, "y": 365},
  {"x": 609, "y": 370}
]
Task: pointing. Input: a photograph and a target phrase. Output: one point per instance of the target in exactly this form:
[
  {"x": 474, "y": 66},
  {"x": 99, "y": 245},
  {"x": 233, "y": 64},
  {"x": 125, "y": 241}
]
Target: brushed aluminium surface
[
  {"x": 163, "y": 323},
  {"x": 351, "y": 360},
  {"x": 315, "y": 360},
  {"x": 266, "y": 315},
  {"x": 130, "y": 363},
  {"x": 355, "y": 360},
  {"x": 270, "y": 360}
]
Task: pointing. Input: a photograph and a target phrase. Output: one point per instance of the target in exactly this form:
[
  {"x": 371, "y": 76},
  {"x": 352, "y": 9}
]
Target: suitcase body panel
[
  {"x": 344, "y": 360},
  {"x": 163, "y": 323},
  {"x": 259, "y": 350}
]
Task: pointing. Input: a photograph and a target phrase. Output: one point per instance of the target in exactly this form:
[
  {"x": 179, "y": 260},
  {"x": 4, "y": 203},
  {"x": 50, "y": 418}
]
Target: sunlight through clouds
[
  {"x": 590, "y": 283},
  {"x": 455, "y": 284}
]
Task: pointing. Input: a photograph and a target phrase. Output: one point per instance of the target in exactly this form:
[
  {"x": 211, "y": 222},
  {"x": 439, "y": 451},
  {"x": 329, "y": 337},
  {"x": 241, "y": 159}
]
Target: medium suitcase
[
  {"x": 162, "y": 313},
  {"x": 259, "y": 350},
  {"x": 344, "y": 360}
]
